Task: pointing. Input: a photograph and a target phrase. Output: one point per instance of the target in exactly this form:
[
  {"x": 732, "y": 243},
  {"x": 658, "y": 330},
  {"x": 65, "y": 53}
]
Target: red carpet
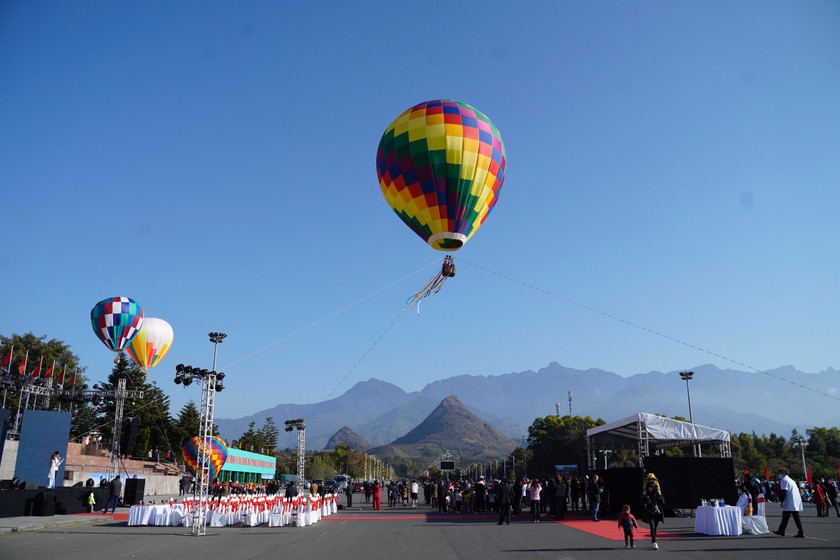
[
  {"x": 114, "y": 516},
  {"x": 609, "y": 529}
]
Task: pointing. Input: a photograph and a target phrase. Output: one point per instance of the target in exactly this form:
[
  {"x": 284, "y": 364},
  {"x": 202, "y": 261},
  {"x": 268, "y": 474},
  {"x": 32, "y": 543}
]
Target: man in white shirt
[{"x": 791, "y": 502}]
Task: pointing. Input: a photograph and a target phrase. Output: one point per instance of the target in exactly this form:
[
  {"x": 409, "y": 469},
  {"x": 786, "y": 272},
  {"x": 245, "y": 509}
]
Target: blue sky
[{"x": 674, "y": 164}]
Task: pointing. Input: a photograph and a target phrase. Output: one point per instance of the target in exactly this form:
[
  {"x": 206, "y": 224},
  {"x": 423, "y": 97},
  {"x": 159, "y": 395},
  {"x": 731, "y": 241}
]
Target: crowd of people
[{"x": 552, "y": 497}]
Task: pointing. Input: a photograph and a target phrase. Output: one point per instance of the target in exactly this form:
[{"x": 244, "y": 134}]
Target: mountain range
[{"x": 775, "y": 401}]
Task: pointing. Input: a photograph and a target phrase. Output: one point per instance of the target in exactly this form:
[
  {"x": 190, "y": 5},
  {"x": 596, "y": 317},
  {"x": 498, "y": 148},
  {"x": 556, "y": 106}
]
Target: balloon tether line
[{"x": 647, "y": 329}]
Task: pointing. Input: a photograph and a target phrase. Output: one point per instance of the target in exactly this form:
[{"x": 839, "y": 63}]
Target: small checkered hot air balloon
[
  {"x": 116, "y": 321},
  {"x": 441, "y": 165},
  {"x": 151, "y": 343},
  {"x": 216, "y": 452}
]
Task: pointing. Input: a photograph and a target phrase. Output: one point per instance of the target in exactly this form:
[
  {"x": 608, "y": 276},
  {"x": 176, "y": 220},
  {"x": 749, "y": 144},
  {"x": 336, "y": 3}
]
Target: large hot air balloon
[
  {"x": 116, "y": 321},
  {"x": 216, "y": 451},
  {"x": 441, "y": 165},
  {"x": 151, "y": 343}
]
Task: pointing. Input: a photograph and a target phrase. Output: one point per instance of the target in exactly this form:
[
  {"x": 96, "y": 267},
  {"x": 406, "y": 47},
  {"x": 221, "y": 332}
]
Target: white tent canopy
[{"x": 648, "y": 433}]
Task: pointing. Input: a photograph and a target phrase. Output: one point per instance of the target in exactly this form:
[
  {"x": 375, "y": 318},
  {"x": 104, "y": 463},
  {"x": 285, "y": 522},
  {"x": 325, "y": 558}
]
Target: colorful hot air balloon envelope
[
  {"x": 441, "y": 165},
  {"x": 116, "y": 321},
  {"x": 216, "y": 451},
  {"x": 151, "y": 343}
]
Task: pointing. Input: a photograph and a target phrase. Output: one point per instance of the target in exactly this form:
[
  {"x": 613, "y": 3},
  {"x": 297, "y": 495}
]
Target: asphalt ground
[{"x": 405, "y": 534}]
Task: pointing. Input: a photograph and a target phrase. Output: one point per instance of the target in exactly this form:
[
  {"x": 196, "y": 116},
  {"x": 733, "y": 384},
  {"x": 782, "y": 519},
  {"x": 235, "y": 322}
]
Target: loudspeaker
[
  {"x": 133, "y": 493},
  {"x": 131, "y": 440}
]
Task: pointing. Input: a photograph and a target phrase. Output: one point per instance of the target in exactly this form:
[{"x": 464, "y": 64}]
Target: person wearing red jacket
[{"x": 627, "y": 522}]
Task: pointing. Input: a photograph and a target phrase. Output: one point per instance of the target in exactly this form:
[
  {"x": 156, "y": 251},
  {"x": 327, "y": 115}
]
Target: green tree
[
  {"x": 268, "y": 434},
  {"x": 250, "y": 440},
  {"x": 152, "y": 411},
  {"x": 186, "y": 426},
  {"x": 556, "y": 440},
  {"x": 43, "y": 351}
]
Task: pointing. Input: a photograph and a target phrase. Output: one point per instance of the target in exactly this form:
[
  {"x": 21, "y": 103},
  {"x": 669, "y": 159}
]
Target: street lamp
[
  {"x": 802, "y": 445},
  {"x": 688, "y": 376}
]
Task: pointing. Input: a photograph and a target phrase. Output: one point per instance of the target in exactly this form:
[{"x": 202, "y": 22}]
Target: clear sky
[{"x": 671, "y": 163}]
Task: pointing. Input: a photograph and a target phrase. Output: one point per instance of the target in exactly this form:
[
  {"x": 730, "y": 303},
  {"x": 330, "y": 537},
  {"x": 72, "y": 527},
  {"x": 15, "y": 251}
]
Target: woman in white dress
[{"x": 55, "y": 462}]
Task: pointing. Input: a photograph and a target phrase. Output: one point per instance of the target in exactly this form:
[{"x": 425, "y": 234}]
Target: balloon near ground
[
  {"x": 441, "y": 165},
  {"x": 216, "y": 452},
  {"x": 151, "y": 343},
  {"x": 116, "y": 321}
]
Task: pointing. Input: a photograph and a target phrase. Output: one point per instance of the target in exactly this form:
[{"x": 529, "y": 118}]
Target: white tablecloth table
[
  {"x": 726, "y": 520},
  {"x": 159, "y": 515}
]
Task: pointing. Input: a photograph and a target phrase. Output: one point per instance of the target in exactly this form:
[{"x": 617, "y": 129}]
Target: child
[{"x": 627, "y": 522}]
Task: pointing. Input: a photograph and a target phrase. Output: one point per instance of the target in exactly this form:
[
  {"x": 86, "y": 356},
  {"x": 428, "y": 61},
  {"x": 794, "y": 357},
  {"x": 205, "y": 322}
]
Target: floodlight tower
[
  {"x": 211, "y": 381},
  {"x": 301, "y": 450}
]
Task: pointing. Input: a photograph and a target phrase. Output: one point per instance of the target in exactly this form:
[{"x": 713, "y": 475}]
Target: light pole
[
  {"x": 802, "y": 445},
  {"x": 688, "y": 376},
  {"x": 216, "y": 338}
]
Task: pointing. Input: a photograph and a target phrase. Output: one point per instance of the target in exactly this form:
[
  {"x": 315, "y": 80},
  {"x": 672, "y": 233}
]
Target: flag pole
[
  {"x": 8, "y": 372},
  {"x": 61, "y": 384},
  {"x": 49, "y": 386}
]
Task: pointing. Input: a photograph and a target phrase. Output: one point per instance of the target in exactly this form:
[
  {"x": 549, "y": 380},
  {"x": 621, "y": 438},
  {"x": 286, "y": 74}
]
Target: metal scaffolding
[
  {"x": 202, "y": 466},
  {"x": 301, "y": 451}
]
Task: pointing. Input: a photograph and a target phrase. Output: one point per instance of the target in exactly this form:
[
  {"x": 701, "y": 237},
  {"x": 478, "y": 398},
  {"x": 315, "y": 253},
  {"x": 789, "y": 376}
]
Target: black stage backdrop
[
  {"x": 624, "y": 487},
  {"x": 16, "y": 503},
  {"x": 687, "y": 480}
]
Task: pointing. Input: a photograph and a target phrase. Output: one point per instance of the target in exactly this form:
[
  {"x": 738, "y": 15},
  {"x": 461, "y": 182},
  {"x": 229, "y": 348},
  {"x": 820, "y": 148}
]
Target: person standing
[
  {"x": 114, "y": 491},
  {"x": 791, "y": 502},
  {"x": 831, "y": 491},
  {"x": 518, "y": 491},
  {"x": 561, "y": 489},
  {"x": 504, "y": 498},
  {"x": 415, "y": 490},
  {"x": 593, "y": 492},
  {"x": 534, "y": 490},
  {"x": 55, "y": 463},
  {"x": 376, "y": 490},
  {"x": 348, "y": 491},
  {"x": 574, "y": 492},
  {"x": 441, "y": 497}
]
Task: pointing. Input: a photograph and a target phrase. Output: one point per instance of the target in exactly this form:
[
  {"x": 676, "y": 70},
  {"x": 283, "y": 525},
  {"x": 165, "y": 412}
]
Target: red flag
[
  {"x": 766, "y": 473},
  {"x": 8, "y": 359},
  {"x": 73, "y": 379},
  {"x": 810, "y": 478},
  {"x": 37, "y": 371},
  {"x": 60, "y": 378},
  {"x": 22, "y": 365},
  {"x": 48, "y": 373}
]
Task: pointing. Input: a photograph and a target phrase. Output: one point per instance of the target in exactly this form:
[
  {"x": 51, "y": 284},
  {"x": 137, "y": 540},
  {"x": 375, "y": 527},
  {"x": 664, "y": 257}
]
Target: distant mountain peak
[
  {"x": 346, "y": 436},
  {"x": 451, "y": 426}
]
